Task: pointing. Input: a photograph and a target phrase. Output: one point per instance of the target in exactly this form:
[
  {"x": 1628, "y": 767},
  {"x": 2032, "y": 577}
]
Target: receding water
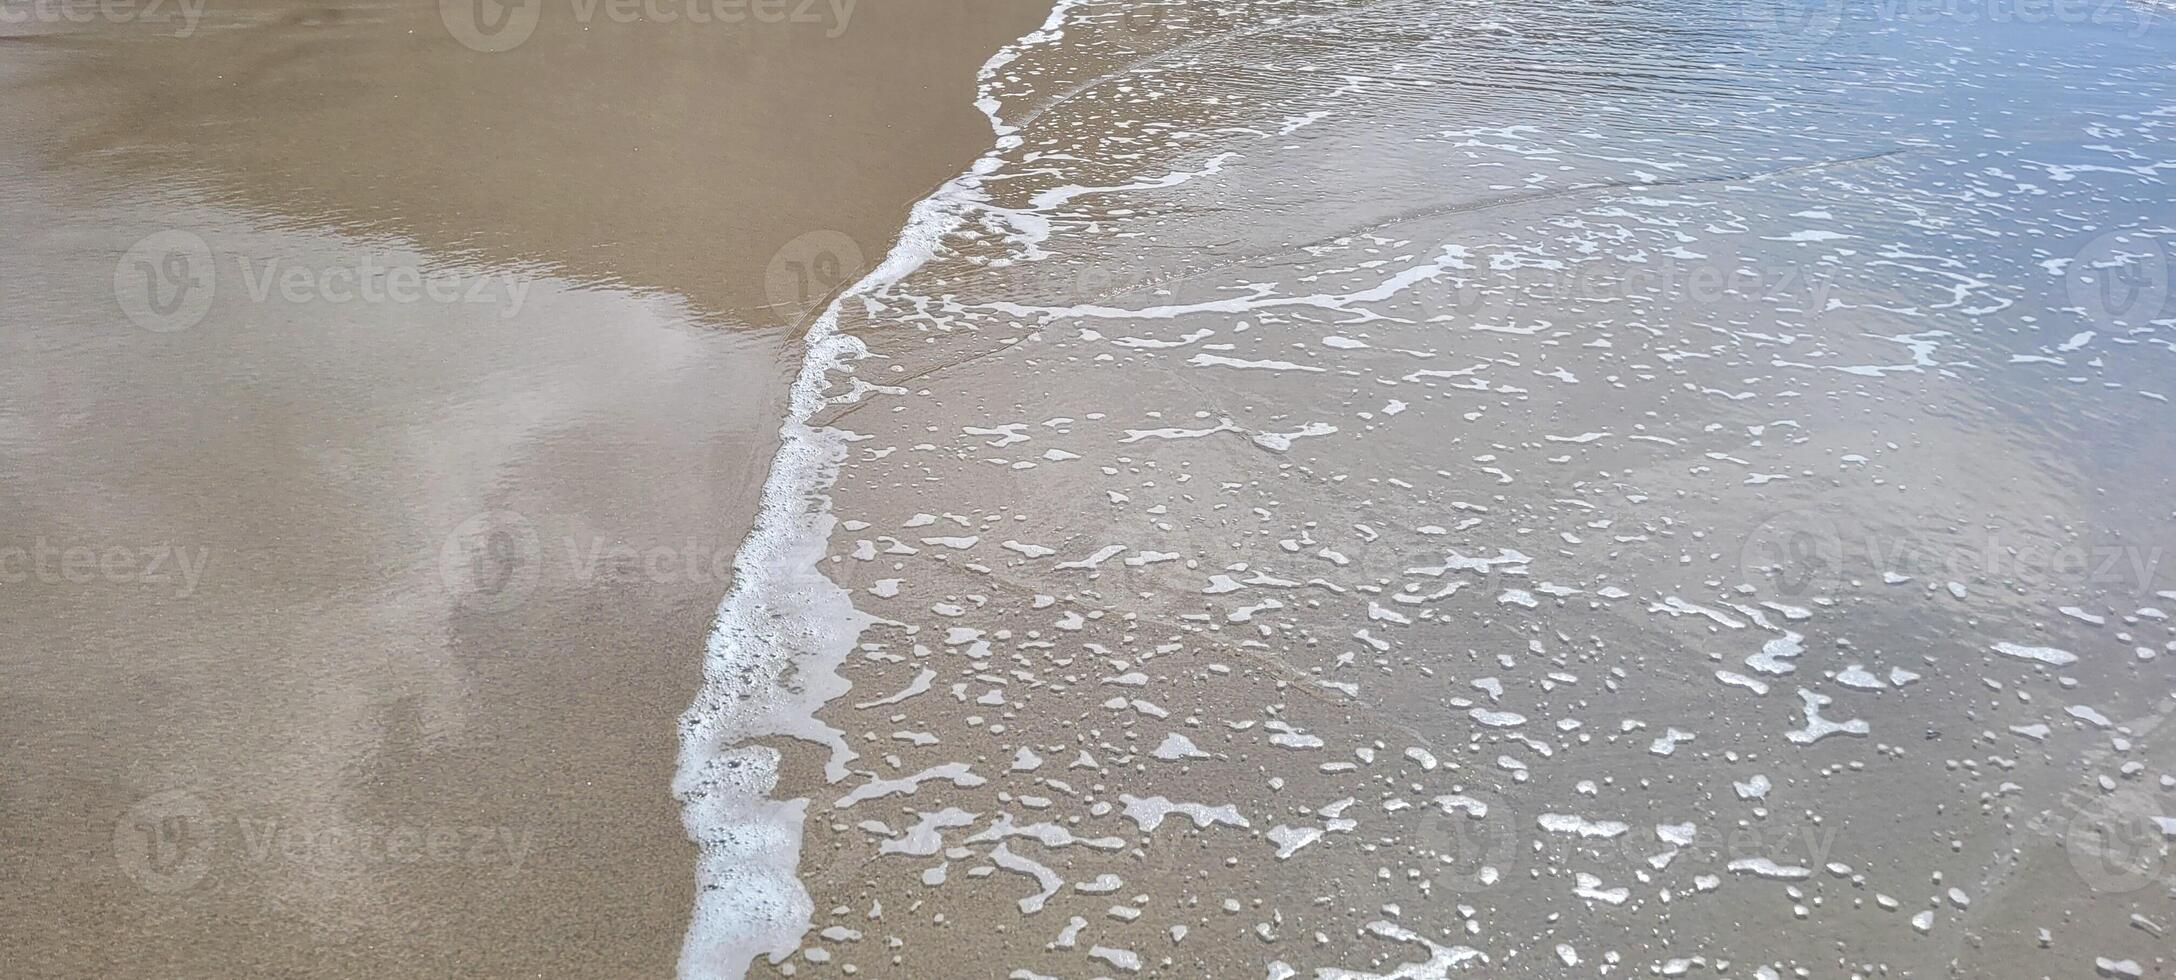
[{"x": 1572, "y": 489}]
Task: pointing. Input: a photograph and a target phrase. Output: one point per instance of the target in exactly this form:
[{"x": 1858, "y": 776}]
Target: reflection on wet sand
[
  {"x": 429, "y": 395},
  {"x": 671, "y": 156}
]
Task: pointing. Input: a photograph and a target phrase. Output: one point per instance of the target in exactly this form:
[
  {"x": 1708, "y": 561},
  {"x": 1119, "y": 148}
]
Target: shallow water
[{"x": 1388, "y": 489}]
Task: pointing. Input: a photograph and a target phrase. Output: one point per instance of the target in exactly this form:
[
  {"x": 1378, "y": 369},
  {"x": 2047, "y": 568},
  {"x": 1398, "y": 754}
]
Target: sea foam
[{"x": 783, "y": 629}]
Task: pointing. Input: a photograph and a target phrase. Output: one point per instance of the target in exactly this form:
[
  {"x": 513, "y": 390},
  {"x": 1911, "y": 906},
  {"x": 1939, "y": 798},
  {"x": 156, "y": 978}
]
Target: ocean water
[{"x": 1400, "y": 489}]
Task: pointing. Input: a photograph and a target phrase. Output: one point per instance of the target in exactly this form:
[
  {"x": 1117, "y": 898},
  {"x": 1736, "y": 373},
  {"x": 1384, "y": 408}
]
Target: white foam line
[
  {"x": 1262, "y": 297},
  {"x": 1032, "y": 224},
  {"x": 783, "y": 629}
]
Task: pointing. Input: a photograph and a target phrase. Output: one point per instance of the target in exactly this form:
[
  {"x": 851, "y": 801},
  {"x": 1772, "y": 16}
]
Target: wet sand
[
  {"x": 1387, "y": 490},
  {"x": 351, "y": 601},
  {"x": 1342, "y": 488}
]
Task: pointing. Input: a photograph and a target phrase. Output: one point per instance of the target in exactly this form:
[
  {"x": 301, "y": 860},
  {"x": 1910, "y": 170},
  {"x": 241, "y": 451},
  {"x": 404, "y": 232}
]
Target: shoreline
[
  {"x": 416, "y": 712},
  {"x": 724, "y": 781},
  {"x": 1211, "y": 491}
]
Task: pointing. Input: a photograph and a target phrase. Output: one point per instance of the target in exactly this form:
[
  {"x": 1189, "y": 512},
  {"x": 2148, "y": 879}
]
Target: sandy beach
[
  {"x": 1381, "y": 490},
  {"x": 283, "y": 720},
  {"x": 1329, "y": 489}
]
